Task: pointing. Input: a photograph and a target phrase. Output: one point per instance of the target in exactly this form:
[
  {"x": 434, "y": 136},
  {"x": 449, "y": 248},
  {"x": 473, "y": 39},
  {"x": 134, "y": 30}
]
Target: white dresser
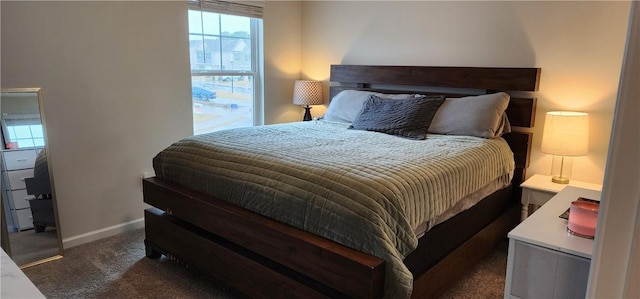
[
  {"x": 14, "y": 283},
  {"x": 545, "y": 260},
  {"x": 16, "y": 166}
]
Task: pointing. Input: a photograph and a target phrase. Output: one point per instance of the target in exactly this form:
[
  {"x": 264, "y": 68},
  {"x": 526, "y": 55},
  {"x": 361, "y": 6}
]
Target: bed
[{"x": 247, "y": 248}]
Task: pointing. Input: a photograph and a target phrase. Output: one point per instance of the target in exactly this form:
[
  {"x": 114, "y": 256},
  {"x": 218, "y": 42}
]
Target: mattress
[{"x": 366, "y": 190}]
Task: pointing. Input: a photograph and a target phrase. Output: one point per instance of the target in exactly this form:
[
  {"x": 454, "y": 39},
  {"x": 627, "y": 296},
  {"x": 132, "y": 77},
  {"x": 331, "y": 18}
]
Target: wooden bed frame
[{"x": 264, "y": 258}]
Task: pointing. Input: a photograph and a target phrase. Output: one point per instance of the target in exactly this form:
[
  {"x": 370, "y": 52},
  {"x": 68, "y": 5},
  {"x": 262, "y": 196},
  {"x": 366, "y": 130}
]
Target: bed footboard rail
[{"x": 321, "y": 264}]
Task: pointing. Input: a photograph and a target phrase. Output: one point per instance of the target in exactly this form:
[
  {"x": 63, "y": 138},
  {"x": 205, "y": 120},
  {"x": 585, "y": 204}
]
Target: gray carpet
[
  {"x": 116, "y": 267},
  {"x": 28, "y": 246}
]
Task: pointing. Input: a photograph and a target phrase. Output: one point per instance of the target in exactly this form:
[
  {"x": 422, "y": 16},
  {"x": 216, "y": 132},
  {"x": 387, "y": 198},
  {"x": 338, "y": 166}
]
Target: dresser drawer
[
  {"x": 538, "y": 197},
  {"x": 19, "y": 159},
  {"x": 25, "y": 220},
  {"x": 21, "y": 199},
  {"x": 546, "y": 273},
  {"x": 16, "y": 178}
]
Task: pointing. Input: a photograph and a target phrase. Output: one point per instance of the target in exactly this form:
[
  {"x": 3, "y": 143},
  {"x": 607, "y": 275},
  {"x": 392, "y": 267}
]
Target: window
[
  {"x": 23, "y": 132},
  {"x": 224, "y": 45}
]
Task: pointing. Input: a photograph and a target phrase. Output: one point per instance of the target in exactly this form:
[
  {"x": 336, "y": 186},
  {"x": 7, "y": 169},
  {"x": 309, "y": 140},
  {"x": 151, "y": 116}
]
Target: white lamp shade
[
  {"x": 566, "y": 133},
  {"x": 307, "y": 92}
]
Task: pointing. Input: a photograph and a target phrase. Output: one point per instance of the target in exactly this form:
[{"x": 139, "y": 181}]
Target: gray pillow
[
  {"x": 481, "y": 116},
  {"x": 408, "y": 118},
  {"x": 346, "y": 105}
]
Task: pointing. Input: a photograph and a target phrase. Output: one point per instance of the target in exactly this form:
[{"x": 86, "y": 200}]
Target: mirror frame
[{"x": 5, "y": 243}]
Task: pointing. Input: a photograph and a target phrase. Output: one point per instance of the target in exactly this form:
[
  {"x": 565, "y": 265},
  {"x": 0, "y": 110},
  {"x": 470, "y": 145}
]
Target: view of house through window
[{"x": 224, "y": 68}]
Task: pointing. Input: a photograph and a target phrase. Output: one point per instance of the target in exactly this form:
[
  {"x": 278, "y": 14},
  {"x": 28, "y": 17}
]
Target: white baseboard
[{"x": 102, "y": 233}]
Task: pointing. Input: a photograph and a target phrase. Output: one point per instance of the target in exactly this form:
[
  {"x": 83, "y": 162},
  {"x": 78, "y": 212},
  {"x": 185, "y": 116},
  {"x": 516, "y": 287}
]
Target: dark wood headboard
[{"x": 455, "y": 82}]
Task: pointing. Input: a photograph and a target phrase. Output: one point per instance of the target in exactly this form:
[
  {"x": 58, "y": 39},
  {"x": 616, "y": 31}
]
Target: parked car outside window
[{"x": 198, "y": 93}]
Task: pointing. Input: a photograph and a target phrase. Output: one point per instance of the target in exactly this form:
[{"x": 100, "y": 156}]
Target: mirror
[{"x": 30, "y": 226}]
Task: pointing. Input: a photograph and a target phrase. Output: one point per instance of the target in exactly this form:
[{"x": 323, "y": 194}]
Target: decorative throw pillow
[
  {"x": 481, "y": 116},
  {"x": 408, "y": 118},
  {"x": 346, "y": 105}
]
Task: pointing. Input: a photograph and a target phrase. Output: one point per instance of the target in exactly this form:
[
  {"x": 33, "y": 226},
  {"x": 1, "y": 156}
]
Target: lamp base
[
  {"x": 307, "y": 113},
  {"x": 561, "y": 169},
  {"x": 560, "y": 180}
]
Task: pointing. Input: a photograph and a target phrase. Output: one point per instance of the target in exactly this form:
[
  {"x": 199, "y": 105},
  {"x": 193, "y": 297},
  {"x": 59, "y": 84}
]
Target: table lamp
[
  {"x": 565, "y": 135},
  {"x": 307, "y": 93}
]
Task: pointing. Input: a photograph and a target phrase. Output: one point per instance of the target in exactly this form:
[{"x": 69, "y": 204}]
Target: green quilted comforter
[{"x": 365, "y": 190}]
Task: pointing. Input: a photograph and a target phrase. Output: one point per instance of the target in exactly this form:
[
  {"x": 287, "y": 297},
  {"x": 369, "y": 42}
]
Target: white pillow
[
  {"x": 346, "y": 105},
  {"x": 481, "y": 116}
]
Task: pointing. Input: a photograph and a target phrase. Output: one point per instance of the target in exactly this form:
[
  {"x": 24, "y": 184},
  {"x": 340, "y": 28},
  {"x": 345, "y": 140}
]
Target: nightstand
[
  {"x": 544, "y": 259},
  {"x": 538, "y": 189}
]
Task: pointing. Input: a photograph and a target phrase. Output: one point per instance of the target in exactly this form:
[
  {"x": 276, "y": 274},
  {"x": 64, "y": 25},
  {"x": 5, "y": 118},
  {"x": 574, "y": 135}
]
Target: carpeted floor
[
  {"x": 116, "y": 267},
  {"x": 28, "y": 246}
]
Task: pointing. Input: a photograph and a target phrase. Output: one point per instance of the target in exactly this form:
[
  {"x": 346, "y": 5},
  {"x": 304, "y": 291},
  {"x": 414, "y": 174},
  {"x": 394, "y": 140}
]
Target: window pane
[
  {"x": 196, "y": 50},
  {"x": 12, "y": 132},
  {"x": 38, "y": 141},
  {"x": 207, "y": 57},
  {"x": 36, "y": 131},
  {"x": 24, "y": 143},
  {"x": 211, "y": 23},
  {"x": 195, "y": 22},
  {"x": 22, "y": 132},
  {"x": 221, "y": 102},
  {"x": 236, "y": 54},
  {"x": 236, "y": 26}
]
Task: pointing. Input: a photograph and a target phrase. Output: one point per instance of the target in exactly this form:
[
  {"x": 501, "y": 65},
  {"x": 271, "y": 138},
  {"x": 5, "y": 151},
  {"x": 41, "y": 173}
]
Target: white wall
[
  {"x": 578, "y": 45},
  {"x": 282, "y": 55},
  {"x": 116, "y": 89}
]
